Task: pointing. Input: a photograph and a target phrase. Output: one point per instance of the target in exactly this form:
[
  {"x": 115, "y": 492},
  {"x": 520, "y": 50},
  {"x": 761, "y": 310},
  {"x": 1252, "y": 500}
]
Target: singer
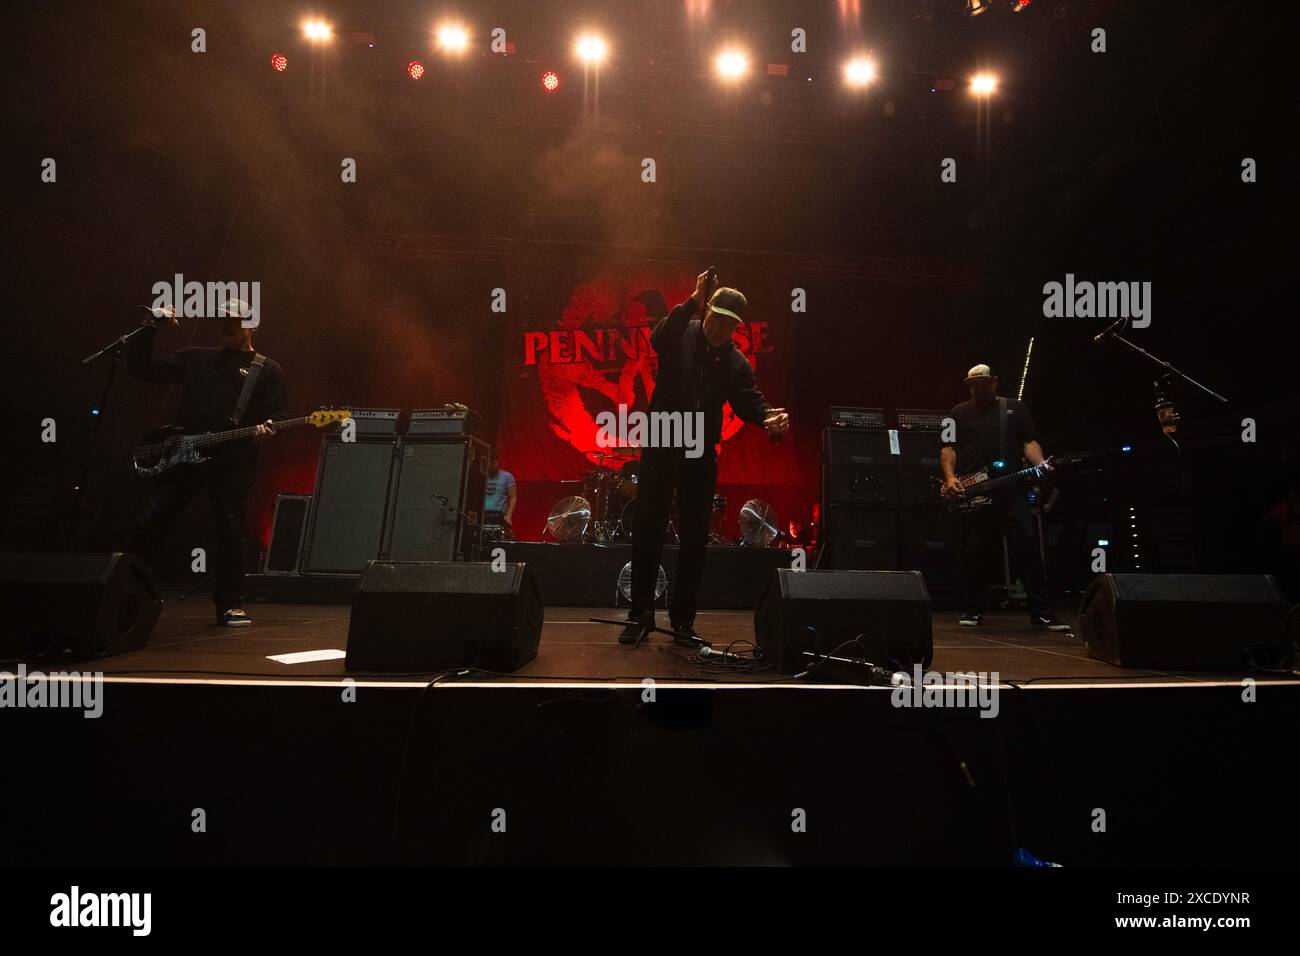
[{"x": 700, "y": 368}]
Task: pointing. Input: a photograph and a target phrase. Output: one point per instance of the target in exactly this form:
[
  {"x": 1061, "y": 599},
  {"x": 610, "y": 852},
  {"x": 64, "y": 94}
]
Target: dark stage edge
[{"x": 293, "y": 764}]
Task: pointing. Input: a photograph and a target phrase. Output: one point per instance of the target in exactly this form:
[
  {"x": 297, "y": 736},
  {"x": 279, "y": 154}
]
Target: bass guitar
[
  {"x": 978, "y": 485},
  {"x": 166, "y": 448}
]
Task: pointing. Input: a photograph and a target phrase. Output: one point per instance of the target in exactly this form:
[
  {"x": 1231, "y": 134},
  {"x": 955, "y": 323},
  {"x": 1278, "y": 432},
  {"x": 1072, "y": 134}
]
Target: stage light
[
  {"x": 453, "y": 38},
  {"x": 731, "y": 64},
  {"x": 550, "y": 81},
  {"x": 279, "y": 63},
  {"x": 983, "y": 84},
  {"x": 1019, "y": 6},
  {"x": 317, "y": 31},
  {"x": 591, "y": 48},
  {"x": 860, "y": 71},
  {"x": 416, "y": 69},
  {"x": 975, "y": 7}
]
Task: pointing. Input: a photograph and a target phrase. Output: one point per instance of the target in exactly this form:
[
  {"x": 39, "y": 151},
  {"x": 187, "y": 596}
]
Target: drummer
[{"x": 501, "y": 495}]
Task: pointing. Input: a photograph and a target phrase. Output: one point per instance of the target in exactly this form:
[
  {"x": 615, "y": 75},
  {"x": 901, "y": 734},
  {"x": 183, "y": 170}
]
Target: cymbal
[
  {"x": 616, "y": 452},
  {"x": 568, "y": 518},
  {"x": 757, "y": 523}
]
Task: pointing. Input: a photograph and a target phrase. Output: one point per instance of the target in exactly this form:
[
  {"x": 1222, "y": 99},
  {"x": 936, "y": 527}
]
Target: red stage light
[
  {"x": 550, "y": 81},
  {"x": 279, "y": 63},
  {"x": 416, "y": 69}
]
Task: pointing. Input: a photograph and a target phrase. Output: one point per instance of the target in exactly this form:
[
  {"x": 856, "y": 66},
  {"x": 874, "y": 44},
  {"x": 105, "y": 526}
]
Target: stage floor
[{"x": 186, "y": 644}]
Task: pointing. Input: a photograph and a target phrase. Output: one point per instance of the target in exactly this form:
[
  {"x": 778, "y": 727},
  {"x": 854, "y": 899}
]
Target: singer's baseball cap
[
  {"x": 729, "y": 302},
  {"x": 979, "y": 371}
]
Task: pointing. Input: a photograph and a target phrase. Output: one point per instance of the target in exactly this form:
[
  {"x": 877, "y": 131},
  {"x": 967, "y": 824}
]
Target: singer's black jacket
[{"x": 695, "y": 376}]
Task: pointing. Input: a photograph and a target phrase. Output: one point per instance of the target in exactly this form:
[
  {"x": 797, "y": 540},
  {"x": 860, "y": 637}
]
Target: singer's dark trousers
[
  {"x": 227, "y": 483},
  {"x": 663, "y": 471},
  {"x": 982, "y": 531}
]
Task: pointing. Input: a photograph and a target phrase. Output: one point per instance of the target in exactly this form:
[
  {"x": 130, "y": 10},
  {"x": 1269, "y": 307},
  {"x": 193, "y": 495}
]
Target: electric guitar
[
  {"x": 978, "y": 485},
  {"x": 166, "y": 448}
]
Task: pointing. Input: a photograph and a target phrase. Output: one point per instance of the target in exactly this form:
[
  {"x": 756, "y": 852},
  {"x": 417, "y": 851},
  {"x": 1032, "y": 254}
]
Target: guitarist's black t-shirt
[
  {"x": 977, "y": 435},
  {"x": 211, "y": 380}
]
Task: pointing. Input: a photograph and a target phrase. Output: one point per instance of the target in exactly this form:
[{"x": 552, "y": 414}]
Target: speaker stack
[
  {"x": 381, "y": 496},
  {"x": 879, "y": 504}
]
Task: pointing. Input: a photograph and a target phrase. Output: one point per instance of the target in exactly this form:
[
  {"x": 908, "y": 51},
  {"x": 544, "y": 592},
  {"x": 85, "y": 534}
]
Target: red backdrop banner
[{"x": 569, "y": 358}]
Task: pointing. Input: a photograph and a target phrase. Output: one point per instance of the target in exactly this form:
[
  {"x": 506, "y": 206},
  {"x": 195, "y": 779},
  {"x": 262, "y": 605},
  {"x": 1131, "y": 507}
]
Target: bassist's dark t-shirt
[
  {"x": 977, "y": 435},
  {"x": 211, "y": 380}
]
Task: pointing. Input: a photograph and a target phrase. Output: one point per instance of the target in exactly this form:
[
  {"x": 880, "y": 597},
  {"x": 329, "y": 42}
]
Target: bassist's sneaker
[
  {"x": 234, "y": 617},
  {"x": 637, "y": 626},
  {"x": 971, "y": 618},
  {"x": 1047, "y": 622}
]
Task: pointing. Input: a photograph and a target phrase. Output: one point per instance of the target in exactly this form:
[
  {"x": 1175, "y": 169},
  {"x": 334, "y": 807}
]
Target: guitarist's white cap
[{"x": 979, "y": 371}]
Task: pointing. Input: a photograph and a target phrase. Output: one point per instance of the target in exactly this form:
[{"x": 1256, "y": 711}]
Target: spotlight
[
  {"x": 591, "y": 48},
  {"x": 731, "y": 64},
  {"x": 983, "y": 84},
  {"x": 416, "y": 69},
  {"x": 860, "y": 71},
  {"x": 975, "y": 7},
  {"x": 1019, "y": 6},
  {"x": 453, "y": 38},
  {"x": 550, "y": 81},
  {"x": 317, "y": 30},
  {"x": 279, "y": 63}
]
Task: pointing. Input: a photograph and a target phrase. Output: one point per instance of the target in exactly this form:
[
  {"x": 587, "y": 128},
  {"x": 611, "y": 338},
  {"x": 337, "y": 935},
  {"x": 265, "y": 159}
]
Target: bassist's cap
[{"x": 979, "y": 371}]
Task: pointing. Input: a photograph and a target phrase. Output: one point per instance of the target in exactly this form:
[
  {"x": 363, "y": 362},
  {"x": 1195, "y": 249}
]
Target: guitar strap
[
  {"x": 250, "y": 383},
  {"x": 1002, "y": 431}
]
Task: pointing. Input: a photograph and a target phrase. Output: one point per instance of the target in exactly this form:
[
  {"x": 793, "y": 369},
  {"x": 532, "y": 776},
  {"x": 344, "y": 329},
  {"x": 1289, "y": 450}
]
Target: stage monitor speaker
[
  {"x": 437, "y": 499},
  {"x": 353, "y": 483},
  {"x": 78, "y": 606},
  {"x": 859, "y": 538},
  {"x": 1192, "y": 622},
  {"x": 288, "y": 530},
  {"x": 822, "y": 610},
  {"x": 422, "y": 616}
]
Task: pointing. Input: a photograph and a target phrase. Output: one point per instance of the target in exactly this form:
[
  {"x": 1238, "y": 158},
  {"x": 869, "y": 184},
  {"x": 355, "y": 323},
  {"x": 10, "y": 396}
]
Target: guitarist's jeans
[
  {"x": 227, "y": 484},
  {"x": 981, "y": 551}
]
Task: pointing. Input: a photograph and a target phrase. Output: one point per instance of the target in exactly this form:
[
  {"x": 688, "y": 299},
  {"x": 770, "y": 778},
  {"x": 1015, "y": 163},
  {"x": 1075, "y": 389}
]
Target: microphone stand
[
  {"x": 113, "y": 349},
  {"x": 1164, "y": 365}
]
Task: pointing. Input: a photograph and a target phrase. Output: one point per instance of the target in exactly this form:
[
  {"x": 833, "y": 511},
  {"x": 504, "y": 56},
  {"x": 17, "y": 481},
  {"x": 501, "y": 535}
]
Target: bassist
[
  {"x": 992, "y": 429},
  {"x": 212, "y": 384}
]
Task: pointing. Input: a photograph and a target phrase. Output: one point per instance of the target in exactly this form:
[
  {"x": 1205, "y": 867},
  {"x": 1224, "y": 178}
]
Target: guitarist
[
  {"x": 212, "y": 384},
  {"x": 992, "y": 429}
]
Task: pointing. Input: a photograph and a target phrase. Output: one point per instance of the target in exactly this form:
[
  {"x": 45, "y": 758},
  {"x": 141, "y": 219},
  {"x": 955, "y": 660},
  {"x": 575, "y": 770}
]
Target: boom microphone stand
[
  {"x": 1111, "y": 332},
  {"x": 114, "y": 350}
]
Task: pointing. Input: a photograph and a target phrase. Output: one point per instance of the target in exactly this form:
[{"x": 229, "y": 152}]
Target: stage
[{"x": 292, "y": 763}]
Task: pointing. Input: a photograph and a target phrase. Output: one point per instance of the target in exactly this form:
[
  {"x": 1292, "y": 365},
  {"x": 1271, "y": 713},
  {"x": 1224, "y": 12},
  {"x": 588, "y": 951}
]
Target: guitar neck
[{"x": 217, "y": 438}]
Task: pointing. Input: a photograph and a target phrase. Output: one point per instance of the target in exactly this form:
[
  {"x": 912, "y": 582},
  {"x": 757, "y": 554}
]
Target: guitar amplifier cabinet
[
  {"x": 353, "y": 487},
  {"x": 437, "y": 501}
]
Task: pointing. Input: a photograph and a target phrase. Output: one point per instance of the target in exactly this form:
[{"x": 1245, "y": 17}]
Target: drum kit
[{"x": 605, "y": 509}]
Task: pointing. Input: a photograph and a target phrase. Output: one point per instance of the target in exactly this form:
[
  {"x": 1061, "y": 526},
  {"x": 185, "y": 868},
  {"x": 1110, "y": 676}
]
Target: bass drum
[{"x": 627, "y": 523}]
